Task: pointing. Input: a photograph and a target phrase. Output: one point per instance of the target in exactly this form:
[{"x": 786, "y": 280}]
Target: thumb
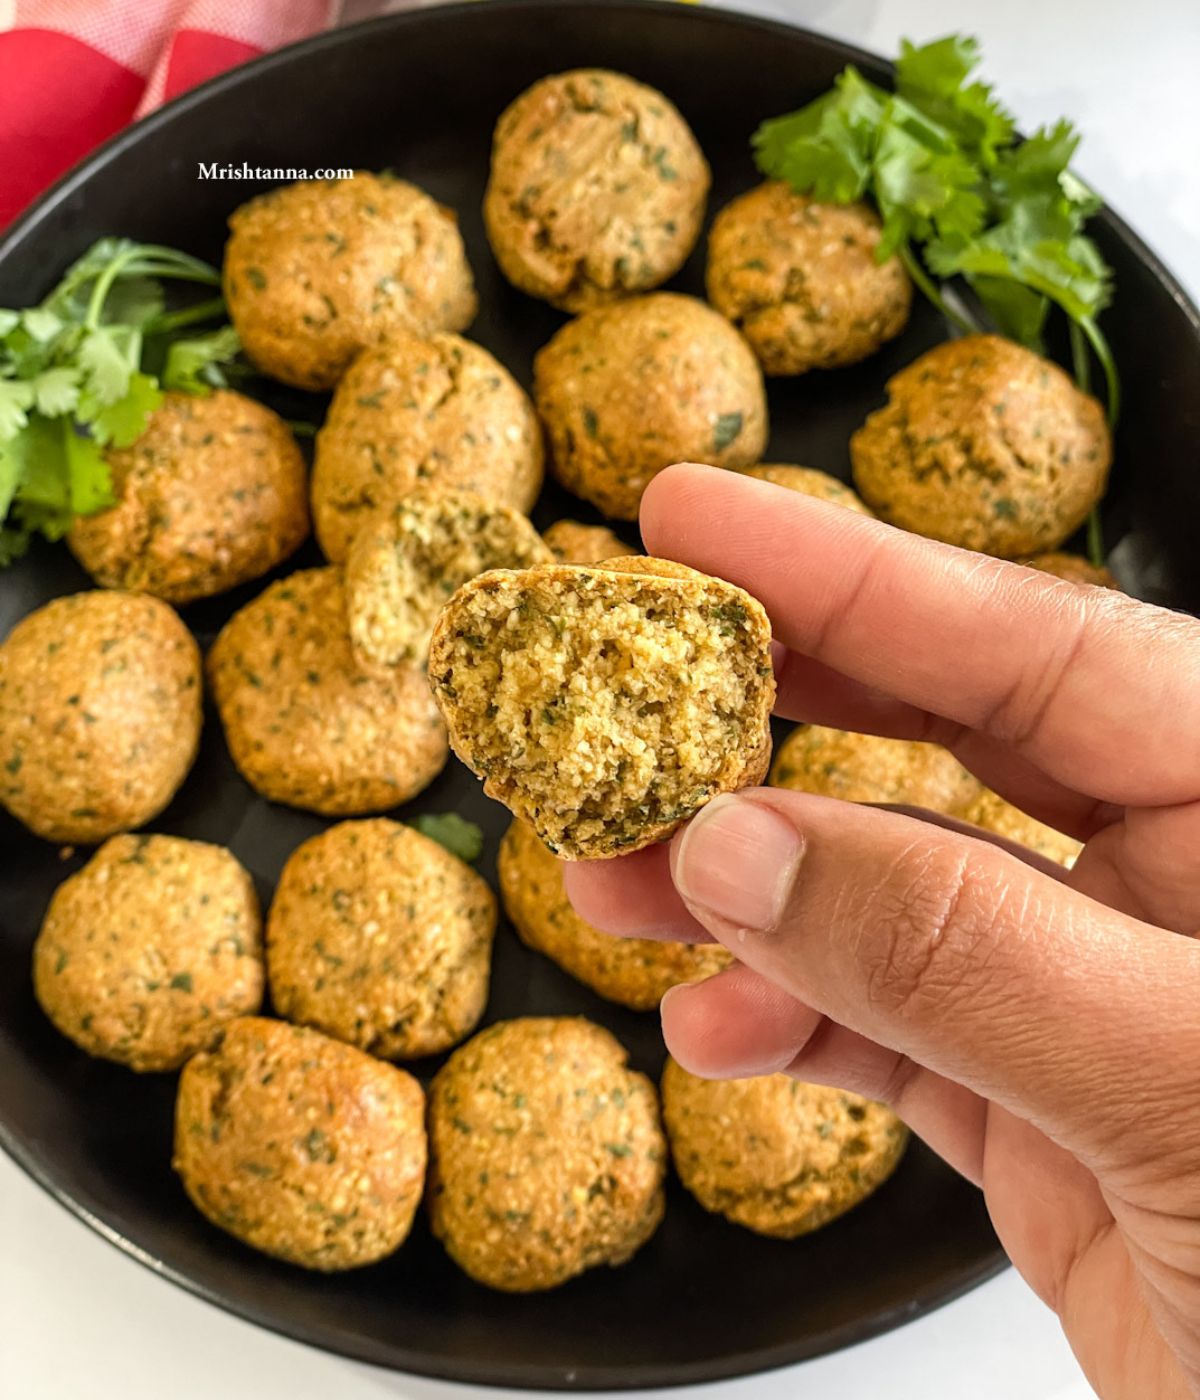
[{"x": 956, "y": 953}]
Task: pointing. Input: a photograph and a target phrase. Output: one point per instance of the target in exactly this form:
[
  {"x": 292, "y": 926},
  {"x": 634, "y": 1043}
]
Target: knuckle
[{"x": 937, "y": 913}]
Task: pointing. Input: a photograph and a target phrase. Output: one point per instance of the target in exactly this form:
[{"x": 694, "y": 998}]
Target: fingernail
[{"x": 738, "y": 859}]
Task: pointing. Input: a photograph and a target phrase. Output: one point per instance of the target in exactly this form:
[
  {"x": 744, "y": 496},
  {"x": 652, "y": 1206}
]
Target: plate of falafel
[{"x": 293, "y": 1006}]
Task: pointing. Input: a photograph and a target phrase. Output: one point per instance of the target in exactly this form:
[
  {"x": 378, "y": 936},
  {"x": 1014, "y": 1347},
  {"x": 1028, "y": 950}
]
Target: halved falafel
[{"x": 605, "y": 705}]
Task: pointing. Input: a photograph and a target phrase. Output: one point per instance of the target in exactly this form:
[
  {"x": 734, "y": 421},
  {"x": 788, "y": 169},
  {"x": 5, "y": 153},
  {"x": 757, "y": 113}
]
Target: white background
[{"x": 78, "y": 1321}]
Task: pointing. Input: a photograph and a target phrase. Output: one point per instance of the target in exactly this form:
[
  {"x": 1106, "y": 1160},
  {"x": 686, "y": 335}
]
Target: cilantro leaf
[
  {"x": 106, "y": 364},
  {"x": 9, "y": 321},
  {"x": 933, "y": 79},
  {"x": 56, "y": 391},
  {"x": 194, "y": 364},
  {"x": 89, "y": 483},
  {"x": 16, "y": 399},
  {"x": 459, "y": 836},
  {"x": 124, "y": 421}
]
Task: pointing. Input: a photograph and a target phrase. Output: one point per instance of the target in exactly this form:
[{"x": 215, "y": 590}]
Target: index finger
[{"x": 1098, "y": 690}]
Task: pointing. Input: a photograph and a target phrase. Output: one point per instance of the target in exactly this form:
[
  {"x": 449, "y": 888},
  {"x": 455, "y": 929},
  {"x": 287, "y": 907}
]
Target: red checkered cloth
[{"x": 73, "y": 72}]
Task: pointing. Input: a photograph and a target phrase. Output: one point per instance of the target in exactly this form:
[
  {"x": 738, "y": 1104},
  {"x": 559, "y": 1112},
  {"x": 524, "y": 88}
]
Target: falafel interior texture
[
  {"x": 605, "y": 705},
  {"x": 401, "y": 570}
]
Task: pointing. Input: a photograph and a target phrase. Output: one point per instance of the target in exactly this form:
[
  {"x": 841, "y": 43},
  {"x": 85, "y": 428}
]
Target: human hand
[{"x": 1039, "y": 1028}]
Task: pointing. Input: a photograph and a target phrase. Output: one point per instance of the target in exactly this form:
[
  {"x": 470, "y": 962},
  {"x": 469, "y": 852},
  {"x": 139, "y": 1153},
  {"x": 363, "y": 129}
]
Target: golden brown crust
[
  {"x": 985, "y": 445},
  {"x": 380, "y": 937},
  {"x": 214, "y": 493},
  {"x": 149, "y": 950},
  {"x": 404, "y": 565},
  {"x": 597, "y": 189},
  {"x": 605, "y": 705},
  {"x": 304, "y": 724},
  {"x": 301, "y": 1146},
  {"x": 572, "y": 542},
  {"x": 992, "y": 813},
  {"x": 775, "y": 1155},
  {"x": 99, "y": 714},
  {"x": 547, "y": 1154},
  {"x": 868, "y": 768},
  {"x": 317, "y": 270},
  {"x": 437, "y": 413},
  {"x": 800, "y": 279},
  {"x": 626, "y": 390},
  {"x": 634, "y": 972},
  {"x": 808, "y": 481}
]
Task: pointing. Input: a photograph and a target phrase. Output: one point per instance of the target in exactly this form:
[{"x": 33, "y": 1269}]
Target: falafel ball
[
  {"x": 149, "y": 950},
  {"x": 990, "y": 811},
  {"x": 605, "y": 704},
  {"x": 300, "y": 1146},
  {"x": 380, "y": 937},
  {"x": 800, "y": 279},
  {"x": 775, "y": 1155},
  {"x": 214, "y": 493},
  {"x": 100, "y": 714},
  {"x": 986, "y": 445},
  {"x": 626, "y": 390},
  {"x": 317, "y": 270},
  {"x": 1073, "y": 567},
  {"x": 438, "y": 413},
  {"x": 547, "y": 1154},
  {"x": 868, "y": 768},
  {"x": 304, "y": 725},
  {"x": 572, "y": 542},
  {"x": 405, "y": 564},
  {"x": 634, "y": 972},
  {"x": 597, "y": 189},
  {"x": 808, "y": 481}
]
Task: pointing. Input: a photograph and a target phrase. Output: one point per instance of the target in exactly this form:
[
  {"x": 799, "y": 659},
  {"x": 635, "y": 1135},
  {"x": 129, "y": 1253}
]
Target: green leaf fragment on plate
[{"x": 460, "y": 837}]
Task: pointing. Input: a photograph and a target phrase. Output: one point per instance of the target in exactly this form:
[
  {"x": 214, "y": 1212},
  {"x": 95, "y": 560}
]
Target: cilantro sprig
[
  {"x": 73, "y": 379},
  {"x": 959, "y": 196}
]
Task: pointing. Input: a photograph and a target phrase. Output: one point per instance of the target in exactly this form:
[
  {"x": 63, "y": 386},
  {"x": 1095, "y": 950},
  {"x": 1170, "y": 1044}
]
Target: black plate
[{"x": 419, "y": 92}]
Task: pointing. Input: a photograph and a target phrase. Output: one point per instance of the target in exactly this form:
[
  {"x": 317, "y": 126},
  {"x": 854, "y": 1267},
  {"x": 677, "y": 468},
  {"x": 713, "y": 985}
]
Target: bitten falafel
[
  {"x": 404, "y": 565},
  {"x": 438, "y": 414},
  {"x": 605, "y": 705}
]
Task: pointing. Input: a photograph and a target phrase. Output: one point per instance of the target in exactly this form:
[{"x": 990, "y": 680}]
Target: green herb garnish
[
  {"x": 459, "y": 836},
  {"x": 72, "y": 379},
  {"x": 959, "y": 196}
]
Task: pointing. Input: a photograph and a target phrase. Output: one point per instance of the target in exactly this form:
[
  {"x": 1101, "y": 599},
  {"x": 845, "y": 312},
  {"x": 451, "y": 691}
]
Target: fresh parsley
[
  {"x": 73, "y": 379},
  {"x": 959, "y": 195},
  {"x": 459, "y": 836}
]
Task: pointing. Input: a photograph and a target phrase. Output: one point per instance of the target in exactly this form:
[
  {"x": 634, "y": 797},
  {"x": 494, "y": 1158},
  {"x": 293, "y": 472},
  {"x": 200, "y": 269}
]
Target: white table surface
[{"x": 78, "y": 1321}]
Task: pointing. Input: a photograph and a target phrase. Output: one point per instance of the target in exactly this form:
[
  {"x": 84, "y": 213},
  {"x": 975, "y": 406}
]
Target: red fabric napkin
[{"x": 72, "y": 72}]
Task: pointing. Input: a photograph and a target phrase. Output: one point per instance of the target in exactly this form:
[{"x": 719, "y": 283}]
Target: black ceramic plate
[{"x": 419, "y": 92}]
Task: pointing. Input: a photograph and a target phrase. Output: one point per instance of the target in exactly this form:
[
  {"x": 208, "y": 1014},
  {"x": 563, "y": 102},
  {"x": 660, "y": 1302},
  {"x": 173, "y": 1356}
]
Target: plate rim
[{"x": 465, "y": 1370}]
